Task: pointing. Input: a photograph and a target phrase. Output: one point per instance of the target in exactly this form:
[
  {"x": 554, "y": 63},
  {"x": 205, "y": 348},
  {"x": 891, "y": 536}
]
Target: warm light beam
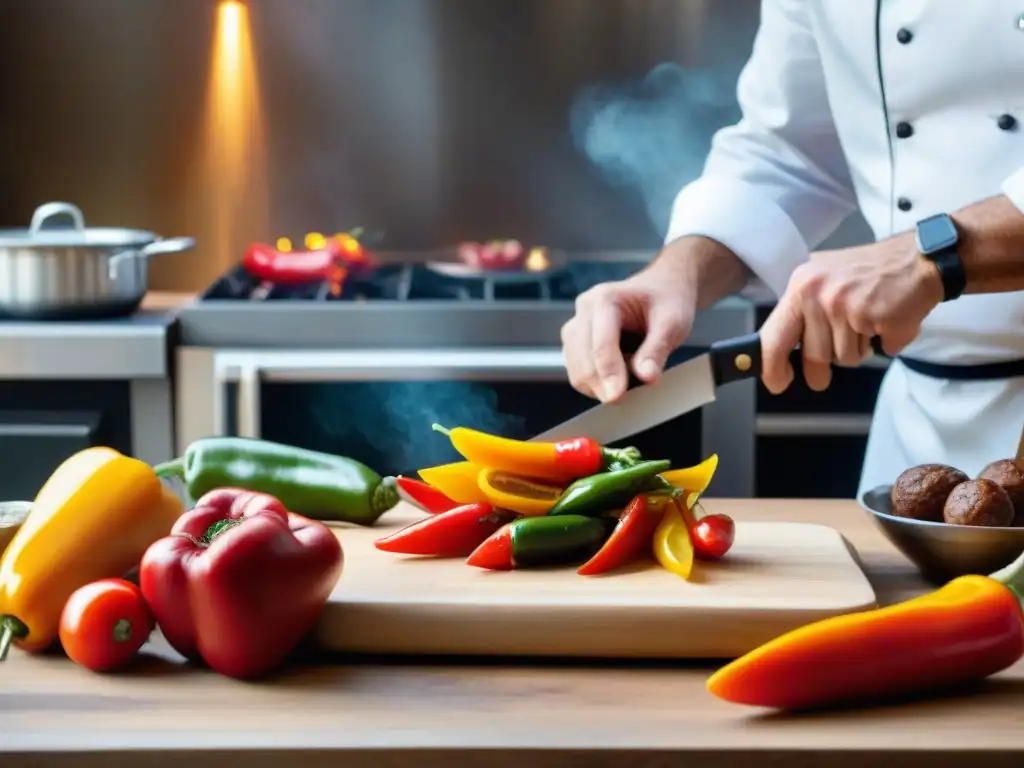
[{"x": 235, "y": 163}]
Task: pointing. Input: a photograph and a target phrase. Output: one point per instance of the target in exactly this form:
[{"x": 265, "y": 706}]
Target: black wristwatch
[{"x": 937, "y": 238}]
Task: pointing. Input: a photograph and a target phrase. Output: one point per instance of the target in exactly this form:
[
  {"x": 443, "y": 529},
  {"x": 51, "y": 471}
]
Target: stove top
[
  {"x": 402, "y": 303},
  {"x": 419, "y": 282}
]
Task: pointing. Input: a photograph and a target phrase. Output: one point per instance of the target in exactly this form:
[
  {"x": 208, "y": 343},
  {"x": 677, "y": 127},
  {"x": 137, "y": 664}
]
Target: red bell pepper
[
  {"x": 631, "y": 537},
  {"x": 240, "y": 581},
  {"x": 265, "y": 262},
  {"x": 424, "y": 496},
  {"x": 455, "y": 533}
]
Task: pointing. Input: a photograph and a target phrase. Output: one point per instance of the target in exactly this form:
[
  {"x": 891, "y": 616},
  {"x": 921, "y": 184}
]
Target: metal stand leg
[
  {"x": 729, "y": 425},
  {"x": 249, "y": 401},
  {"x": 152, "y": 408}
]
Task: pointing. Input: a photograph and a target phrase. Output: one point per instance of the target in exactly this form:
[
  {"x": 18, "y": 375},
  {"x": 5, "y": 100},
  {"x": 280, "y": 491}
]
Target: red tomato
[
  {"x": 713, "y": 536},
  {"x": 104, "y": 624}
]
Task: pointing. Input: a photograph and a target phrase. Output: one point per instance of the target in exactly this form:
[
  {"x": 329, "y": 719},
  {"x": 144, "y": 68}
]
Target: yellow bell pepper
[
  {"x": 673, "y": 547},
  {"x": 518, "y": 494},
  {"x": 94, "y": 518},
  {"x": 695, "y": 479},
  {"x": 457, "y": 481}
]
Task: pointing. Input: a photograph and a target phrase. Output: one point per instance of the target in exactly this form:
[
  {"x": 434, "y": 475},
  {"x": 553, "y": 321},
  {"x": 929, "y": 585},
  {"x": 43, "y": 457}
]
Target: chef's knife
[{"x": 680, "y": 389}]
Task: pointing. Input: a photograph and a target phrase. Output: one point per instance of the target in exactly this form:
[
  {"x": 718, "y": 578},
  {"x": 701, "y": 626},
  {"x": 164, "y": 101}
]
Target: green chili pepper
[
  {"x": 606, "y": 490},
  {"x": 316, "y": 485},
  {"x": 533, "y": 542}
]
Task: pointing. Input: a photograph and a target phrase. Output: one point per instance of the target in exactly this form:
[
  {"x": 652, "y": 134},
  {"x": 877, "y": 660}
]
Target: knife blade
[{"x": 679, "y": 390}]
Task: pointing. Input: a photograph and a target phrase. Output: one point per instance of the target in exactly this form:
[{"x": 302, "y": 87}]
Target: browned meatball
[
  {"x": 921, "y": 491},
  {"x": 979, "y": 502},
  {"x": 1008, "y": 473}
]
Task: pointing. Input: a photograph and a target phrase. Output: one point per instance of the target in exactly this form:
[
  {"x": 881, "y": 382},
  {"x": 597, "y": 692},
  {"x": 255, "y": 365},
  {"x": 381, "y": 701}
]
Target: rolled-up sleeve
[
  {"x": 1013, "y": 188},
  {"x": 776, "y": 184}
]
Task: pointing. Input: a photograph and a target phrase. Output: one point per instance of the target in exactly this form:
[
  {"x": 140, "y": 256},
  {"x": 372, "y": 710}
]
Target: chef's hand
[
  {"x": 838, "y": 300},
  {"x": 660, "y": 300}
]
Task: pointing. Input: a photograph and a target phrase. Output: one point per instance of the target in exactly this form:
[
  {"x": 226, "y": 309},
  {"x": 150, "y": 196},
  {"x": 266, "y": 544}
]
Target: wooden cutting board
[{"x": 778, "y": 576}]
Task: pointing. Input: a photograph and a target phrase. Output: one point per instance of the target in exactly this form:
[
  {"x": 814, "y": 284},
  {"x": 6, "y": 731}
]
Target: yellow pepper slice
[
  {"x": 457, "y": 481},
  {"x": 673, "y": 547},
  {"x": 517, "y": 494},
  {"x": 695, "y": 479},
  {"x": 94, "y": 518}
]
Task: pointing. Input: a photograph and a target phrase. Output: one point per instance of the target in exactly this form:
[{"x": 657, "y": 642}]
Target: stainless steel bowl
[{"x": 942, "y": 551}]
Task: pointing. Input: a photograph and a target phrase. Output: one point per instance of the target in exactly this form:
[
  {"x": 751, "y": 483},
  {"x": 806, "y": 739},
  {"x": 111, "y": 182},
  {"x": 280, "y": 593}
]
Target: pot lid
[{"x": 61, "y": 225}]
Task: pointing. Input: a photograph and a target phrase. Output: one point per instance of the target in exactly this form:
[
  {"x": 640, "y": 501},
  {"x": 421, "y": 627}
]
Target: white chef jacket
[{"x": 903, "y": 109}]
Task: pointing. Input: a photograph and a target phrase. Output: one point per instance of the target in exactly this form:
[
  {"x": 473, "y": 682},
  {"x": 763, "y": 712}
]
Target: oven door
[{"x": 378, "y": 406}]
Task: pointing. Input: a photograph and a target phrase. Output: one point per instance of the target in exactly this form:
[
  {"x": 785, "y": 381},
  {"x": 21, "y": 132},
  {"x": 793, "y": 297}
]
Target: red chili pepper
[
  {"x": 240, "y": 581},
  {"x": 455, "y": 533},
  {"x": 265, "y": 262},
  {"x": 712, "y": 535},
  {"x": 424, "y": 496},
  {"x": 631, "y": 537}
]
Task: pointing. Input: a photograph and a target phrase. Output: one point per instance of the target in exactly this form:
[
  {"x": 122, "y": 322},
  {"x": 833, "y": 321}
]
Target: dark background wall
[{"x": 568, "y": 122}]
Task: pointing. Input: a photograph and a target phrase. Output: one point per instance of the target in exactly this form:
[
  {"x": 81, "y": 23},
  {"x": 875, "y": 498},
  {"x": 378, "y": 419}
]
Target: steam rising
[
  {"x": 388, "y": 424},
  {"x": 653, "y": 136}
]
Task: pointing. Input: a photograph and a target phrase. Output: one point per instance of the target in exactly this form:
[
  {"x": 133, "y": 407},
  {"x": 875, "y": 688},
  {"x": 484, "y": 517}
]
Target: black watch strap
[
  {"x": 937, "y": 240},
  {"x": 951, "y": 271}
]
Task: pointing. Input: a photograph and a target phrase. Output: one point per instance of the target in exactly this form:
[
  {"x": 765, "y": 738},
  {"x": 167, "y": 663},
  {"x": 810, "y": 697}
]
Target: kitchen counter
[
  {"x": 134, "y": 349},
  {"x": 437, "y": 713}
]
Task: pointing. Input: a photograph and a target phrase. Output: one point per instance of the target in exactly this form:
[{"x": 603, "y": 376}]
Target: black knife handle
[
  {"x": 731, "y": 360},
  {"x": 736, "y": 359}
]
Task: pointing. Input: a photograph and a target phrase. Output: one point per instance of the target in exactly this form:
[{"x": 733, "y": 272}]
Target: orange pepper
[
  {"x": 94, "y": 518},
  {"x": 516, "y": 494},
  {"x": 695, "y": 479},
  {"x": 963, "y": 632},
  {"x": 456, "y": 481},
  {"x": 560, "y": 462}
]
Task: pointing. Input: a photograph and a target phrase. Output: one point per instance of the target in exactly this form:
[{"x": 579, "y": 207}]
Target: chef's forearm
[
  {"x": 992, "y": 245},
  {"x": 706, "y": 263}
]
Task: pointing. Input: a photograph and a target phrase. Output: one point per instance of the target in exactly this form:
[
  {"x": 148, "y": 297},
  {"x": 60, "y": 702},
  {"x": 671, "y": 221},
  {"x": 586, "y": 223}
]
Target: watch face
[{"x": 936, "y": 233}]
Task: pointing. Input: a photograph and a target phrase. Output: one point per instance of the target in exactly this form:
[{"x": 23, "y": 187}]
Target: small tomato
[
  {"x": 713, "y": 536},
  {"x": 104, "y": 624}
]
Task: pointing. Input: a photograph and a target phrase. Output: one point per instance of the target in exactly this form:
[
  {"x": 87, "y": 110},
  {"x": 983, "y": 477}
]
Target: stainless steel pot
[{"x": 55, "y": 271}]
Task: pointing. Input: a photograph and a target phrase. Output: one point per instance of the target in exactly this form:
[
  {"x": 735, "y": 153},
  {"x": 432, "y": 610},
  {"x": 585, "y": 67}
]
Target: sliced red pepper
[
  {"x": 712, "y": 535},
  {"x": 631, "y": 537},
  {"x": 455, "y": 533},
  {"x": 424, "y": 496}
]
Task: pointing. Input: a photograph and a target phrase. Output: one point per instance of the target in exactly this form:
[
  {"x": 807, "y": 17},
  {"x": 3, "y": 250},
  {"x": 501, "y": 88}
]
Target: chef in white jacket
[{"x": 913, "y": 112}]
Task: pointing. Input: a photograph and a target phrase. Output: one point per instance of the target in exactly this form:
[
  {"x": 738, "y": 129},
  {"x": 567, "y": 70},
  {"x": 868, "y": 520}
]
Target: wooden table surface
[{"x": 420, "y": 712}]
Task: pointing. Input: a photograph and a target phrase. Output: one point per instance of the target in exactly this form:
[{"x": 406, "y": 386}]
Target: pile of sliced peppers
[{"x": 513, "y": 504}]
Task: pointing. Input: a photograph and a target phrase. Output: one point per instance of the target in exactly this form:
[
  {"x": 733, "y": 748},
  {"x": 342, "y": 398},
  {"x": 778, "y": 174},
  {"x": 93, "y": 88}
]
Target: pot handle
[
  {"x": 168, "y": 245},
  {"x": 48, "y": 211},
  {"x": 156, "y": 248}
]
